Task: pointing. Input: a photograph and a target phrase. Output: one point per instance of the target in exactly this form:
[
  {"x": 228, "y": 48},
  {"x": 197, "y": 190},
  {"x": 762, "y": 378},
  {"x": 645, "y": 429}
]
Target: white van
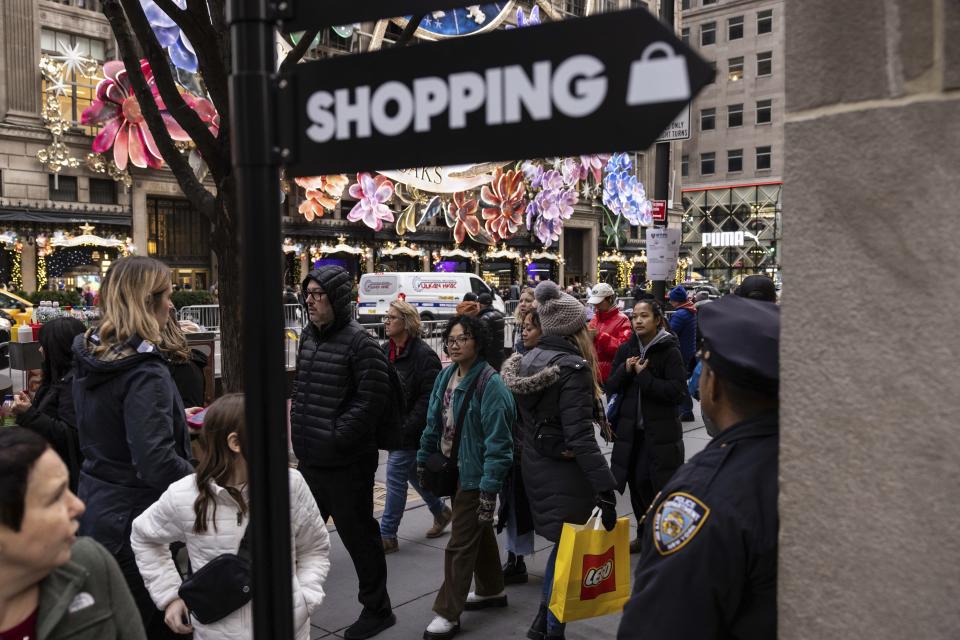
[{"x": 434, "y": 295}]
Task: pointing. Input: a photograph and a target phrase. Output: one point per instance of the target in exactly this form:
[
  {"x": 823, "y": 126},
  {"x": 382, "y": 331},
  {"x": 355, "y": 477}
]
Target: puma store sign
[{"x": 608, "y": 82}]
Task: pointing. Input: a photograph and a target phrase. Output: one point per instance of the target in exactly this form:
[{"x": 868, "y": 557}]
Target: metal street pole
[
  {"x": 257, "y": 198},
  {"x": 661, "y": 180}
]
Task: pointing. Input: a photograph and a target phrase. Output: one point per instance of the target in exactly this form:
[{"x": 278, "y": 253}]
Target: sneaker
[
  {"x": 441, "y": 629},
  {"x": 440, "y": 523},
  {"x": 390, "y": 545},
  {"x": 367, "y": 627},
  {"x": 475, "y": 602},
  {"x": 515, "y": 570},
  {"x": 538, "y": 630},
  {"x": 635, "y": 546}
]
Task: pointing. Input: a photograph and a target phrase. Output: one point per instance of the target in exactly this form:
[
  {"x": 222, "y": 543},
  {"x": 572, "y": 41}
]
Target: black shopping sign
[
  {"x": 313, "y": 14},
  {"x": 591, "y": 85}
]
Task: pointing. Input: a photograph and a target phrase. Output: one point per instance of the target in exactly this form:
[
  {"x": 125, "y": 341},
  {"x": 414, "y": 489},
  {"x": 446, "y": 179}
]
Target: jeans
[
  {"x": 401, "y": 469},
  {"x": 519, "y": 544},
  {"x": 554, "y": 626}
]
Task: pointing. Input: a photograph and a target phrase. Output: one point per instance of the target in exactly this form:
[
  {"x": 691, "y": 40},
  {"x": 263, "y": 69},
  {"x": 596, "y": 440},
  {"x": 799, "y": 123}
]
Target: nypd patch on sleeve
[{"x": 677, "y": 520}]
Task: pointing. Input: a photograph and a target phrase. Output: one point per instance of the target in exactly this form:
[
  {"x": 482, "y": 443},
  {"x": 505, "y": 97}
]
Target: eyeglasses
[
  {"x": 316, "y": 295},
  {"x": 459, "y": 341}
]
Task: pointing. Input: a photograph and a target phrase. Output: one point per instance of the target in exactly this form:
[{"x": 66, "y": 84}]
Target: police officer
[{"x": 708, "y": 566}]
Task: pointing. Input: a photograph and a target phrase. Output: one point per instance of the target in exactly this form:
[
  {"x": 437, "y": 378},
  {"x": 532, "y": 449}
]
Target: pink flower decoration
[
  {"x": 204, "y": 108},
  {"x": 124, "y": 128},
  {"x": 461, "y": 216},
  {"x": 373, "y": 194},
  {"x": 593, "y": 165},
  {"x": 323, "y": 194}
]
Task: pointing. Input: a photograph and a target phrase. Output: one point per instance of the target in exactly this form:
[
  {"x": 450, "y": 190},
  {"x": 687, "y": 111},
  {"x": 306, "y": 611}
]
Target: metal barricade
[
  {"x": 294, "y": 315},
  {"x": 205, "y": 315}
]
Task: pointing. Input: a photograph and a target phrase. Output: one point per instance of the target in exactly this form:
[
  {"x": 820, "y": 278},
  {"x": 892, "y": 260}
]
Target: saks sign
[
  {"x": 589, "y": 85},
  {"x": 723, "y": 239}
]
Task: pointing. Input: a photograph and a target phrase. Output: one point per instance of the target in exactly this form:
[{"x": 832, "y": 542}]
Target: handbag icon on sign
[{"x": 661, "y": 79}]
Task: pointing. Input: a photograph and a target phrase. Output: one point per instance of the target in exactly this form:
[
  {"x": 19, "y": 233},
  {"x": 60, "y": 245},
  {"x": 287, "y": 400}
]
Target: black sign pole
[
  {"x": 257, "y": 196},
  {"x": 661, "y": 180}
]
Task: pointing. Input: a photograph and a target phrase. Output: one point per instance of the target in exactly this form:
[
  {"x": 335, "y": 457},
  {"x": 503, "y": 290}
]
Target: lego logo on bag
[{"x": 599, "y": 575}]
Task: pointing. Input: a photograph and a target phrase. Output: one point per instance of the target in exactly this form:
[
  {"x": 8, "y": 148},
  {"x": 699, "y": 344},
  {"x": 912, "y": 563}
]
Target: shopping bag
[
  {"x": 592, "y": 573},
  {"x": 660, "y": 79}
]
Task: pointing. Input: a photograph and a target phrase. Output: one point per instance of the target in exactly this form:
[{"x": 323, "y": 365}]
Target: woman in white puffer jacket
[{"x": 215, "y": 525}]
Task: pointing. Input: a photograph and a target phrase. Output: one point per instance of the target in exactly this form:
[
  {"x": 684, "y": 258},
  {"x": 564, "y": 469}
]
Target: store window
[
  {"x": 735, "y": 69},
  {"x": 177, "y": 232},
  {"x": 708, "y": 163},
  {"x": 764, "y": 158},
  {"x": 103, "y": 191},
  {"x": 708, "y": 119},
  {"x": 735, "y": 28},
  {"x": 685, "y": 4},
  {"x": 765, "y": 21},
  {"x": 63, "y": 188},
  {"x": 764, "y": 111},
  {"x": 735, "y": 115},
  {"x": 80, "y": 89},
  {"x": 685, "y": 35},
  {"x": 708, "y": 33},
  {"x": 575, "y": 7},
  {"x": 765, "y": 63},
  {"x": 735, "y": 160},
  {"x": 709, "y": 2},
  {"x": 684, "y": 165}
]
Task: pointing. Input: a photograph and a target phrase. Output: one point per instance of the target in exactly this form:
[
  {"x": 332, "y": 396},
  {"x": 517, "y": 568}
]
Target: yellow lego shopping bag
[{"x": 592, "y": 575}]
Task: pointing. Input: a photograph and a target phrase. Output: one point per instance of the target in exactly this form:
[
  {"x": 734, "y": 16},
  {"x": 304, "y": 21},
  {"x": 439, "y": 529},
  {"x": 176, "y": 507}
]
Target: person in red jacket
[{"x": 609, "y": 327}]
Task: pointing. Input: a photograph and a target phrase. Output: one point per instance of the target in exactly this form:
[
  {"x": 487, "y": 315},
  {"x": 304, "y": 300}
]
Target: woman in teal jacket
[{"x": 485, "y": 455}]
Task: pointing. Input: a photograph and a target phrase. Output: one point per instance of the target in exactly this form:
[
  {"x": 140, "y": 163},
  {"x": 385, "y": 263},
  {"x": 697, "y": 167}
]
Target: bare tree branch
[
  {"x": 203, "y": 199},
  {"x": 298, "y": 51},
  {"x": 206, "y": 40},
  {"x": 409, "y": 30},
  {"x": 181, "y": 112}
]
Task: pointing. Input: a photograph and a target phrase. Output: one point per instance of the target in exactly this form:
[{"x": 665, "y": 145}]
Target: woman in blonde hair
[{"x": 130, "y": 417}]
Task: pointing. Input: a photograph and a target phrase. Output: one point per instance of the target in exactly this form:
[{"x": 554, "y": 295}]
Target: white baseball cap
[{"x": 600, "y": 293}]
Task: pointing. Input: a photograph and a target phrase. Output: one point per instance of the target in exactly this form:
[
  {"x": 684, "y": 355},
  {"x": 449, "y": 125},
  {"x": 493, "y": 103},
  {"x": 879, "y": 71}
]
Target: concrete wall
[{"x": 870, "y": 453}]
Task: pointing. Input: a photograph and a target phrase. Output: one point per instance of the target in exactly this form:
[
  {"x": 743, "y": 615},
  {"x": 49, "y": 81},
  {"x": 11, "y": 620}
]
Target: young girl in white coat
[{"x": 209, "y": 512}]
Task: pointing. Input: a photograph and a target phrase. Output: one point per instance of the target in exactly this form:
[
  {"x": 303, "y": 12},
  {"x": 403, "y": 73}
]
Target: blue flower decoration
[
  {"x": 169, "y": 35},
  {"x": 624, "y": 194}
]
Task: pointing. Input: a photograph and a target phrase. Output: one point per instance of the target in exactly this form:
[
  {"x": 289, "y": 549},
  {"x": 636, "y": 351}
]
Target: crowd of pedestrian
[{"x": 103, "y": 450}]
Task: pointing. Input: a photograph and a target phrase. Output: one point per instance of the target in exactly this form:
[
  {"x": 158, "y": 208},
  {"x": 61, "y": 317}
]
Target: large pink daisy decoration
[
  {"x": 372, "y": 194},
  {"x": 124, "y": 127}
]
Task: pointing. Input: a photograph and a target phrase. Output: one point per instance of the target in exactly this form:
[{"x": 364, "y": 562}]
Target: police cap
[{"x": 741, "y": 342}]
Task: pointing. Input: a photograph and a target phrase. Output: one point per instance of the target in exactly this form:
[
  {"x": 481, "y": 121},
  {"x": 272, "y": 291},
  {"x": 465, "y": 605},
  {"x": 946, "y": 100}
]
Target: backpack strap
[{"x": 464, "y": 406}]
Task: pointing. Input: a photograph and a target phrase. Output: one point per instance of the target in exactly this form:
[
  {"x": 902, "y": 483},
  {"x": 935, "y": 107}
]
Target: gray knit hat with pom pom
[{"x": 560, "y": 313}]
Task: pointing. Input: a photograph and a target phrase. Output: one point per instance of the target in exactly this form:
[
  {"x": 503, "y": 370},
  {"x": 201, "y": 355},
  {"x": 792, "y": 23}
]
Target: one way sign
[{"x": 589, "y": 85}]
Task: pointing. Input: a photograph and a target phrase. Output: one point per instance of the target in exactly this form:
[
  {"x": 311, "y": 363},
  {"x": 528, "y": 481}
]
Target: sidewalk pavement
[{"x": 415, "y": 572}]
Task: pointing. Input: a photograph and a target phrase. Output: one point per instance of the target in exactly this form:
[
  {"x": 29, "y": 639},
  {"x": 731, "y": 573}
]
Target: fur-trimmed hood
[{"x": 527, "y": 385}]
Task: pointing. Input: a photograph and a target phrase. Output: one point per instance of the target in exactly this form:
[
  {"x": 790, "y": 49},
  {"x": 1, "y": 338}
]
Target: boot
[
  {"x": 440, "y": 523},
  {"x": 515, "y": 570},
  {"x": 538, "y": 630},
  {"x": 635, "y": 546}
]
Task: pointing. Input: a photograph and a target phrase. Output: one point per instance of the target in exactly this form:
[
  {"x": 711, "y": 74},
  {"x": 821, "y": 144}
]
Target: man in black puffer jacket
[
  {"x": 496, "y": 326},
  {"x": 338, "y": 398}
]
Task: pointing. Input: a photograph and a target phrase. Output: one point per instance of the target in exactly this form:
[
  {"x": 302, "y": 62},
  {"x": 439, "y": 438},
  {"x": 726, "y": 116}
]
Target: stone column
[
  {"x": 28, "y": 267},
  {"x": 591, "y": 240},
  {"x": 20, "y": 78},
  {"x": 139, "y": 231},
  {"x": 869, "y": 447},
  {"x": 425, "y": 264}
]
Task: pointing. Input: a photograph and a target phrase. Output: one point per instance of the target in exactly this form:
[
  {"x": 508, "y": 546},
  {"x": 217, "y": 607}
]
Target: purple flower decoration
[
  {"x": 532, "y": 173},
  {"x": 572, "y": 172},
  {"x": 548, "y": 231},
  {"x": 372, "y": 194},
  {"x": 169, "y": 35},
  {"x": 525, "y": 21}
]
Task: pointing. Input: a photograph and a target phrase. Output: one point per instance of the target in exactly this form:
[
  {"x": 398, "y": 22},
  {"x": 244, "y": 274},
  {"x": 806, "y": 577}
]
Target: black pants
[
  {"x": 346, "y": 493},
  {"x": 639, "y": 477},
  {"x": 152, "y": 617}
]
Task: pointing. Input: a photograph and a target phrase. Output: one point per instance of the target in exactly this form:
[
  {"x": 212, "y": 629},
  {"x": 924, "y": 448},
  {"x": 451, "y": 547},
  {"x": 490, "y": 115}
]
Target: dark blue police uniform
[{"x": 708, "y": 566}]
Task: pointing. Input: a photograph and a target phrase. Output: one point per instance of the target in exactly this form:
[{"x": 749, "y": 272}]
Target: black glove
[
  {"x": 488, "y": 502},
  {"x": 421, "y": 472},
  {"x": 608, "y": 510}
]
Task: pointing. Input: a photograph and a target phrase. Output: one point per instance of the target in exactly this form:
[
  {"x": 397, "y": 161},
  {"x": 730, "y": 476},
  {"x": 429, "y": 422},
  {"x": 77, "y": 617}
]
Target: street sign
[
  {"x": 298, "y": 15},
  {"x": 589, "y": 85},
  {"x": 659, "y": 212},
  {"x": 679, "y": 129}
]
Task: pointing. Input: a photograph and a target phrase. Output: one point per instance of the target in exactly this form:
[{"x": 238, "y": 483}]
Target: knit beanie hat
[
  {"x": 560, "y": 313},
  {"x": 678, "y": 294}
]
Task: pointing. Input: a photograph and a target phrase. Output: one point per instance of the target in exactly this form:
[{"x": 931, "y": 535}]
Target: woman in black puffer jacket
[
  {"x": 564, "y": 472},
  {"x": 649, "y": 379}
]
